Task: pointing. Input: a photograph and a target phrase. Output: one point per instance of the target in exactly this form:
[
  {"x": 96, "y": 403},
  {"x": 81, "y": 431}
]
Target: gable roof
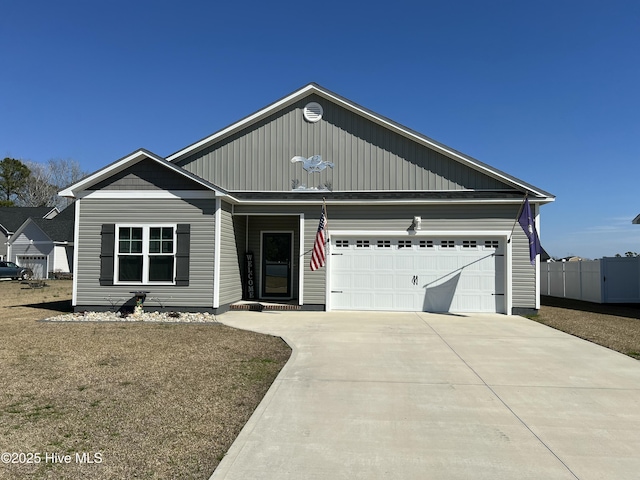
[
  {"x": 636, "y": 221},
  {"x": 124, "y": 163},
  {"x": 12, "y": 217},
  {"x": 316, "y": 89},
  {"x": 59, "y": 228}
]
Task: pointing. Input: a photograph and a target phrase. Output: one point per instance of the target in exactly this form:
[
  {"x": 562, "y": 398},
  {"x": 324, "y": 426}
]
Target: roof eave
[{"x": 73, "y": 190}]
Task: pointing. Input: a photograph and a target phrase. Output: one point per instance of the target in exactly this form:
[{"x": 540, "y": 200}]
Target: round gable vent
[{"x": 313, "y": 112}]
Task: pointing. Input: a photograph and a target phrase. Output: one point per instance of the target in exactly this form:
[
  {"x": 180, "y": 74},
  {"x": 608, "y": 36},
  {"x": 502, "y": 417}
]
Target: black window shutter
[
  {"x": 183, "y": 247},
  {"x": 107, "y": 243}
]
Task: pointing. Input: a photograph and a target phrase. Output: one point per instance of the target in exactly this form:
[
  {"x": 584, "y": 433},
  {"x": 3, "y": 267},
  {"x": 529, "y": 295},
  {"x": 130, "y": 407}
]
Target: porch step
[{"x": 261, "y": 306}]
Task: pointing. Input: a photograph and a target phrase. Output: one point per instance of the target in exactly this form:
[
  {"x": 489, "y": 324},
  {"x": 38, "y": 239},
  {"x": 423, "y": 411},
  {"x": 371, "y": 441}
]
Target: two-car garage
[{"x": 418, "y": 273}]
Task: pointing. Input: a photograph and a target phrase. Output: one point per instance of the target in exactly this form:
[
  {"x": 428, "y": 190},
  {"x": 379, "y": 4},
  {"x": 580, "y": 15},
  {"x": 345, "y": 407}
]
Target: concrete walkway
[{"x": 424, "y": 396}]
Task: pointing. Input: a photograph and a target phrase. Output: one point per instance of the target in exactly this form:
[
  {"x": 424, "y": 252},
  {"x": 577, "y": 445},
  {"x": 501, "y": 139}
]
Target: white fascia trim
[
  {"x": 476, "y": 165},
  {"x": 503, "y": 201},
  {"x": 76, "y": 242},
  {"x": 160, "y": 194},
  {"x": 240, "y": 124},
  {"x": 105, "y": 172},
  {"x": 216, "y": 253},
  {"x": 74, "y": 190}
]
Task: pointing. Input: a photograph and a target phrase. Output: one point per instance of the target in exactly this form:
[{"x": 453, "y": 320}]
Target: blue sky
[{"x": 547, "y": 91}]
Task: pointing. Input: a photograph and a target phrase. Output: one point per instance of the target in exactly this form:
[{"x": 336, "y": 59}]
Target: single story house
[
  {"x": 412, "y": 224},
  {"x": 45, "y": 244},
  {"x": 11, "y": 218}
]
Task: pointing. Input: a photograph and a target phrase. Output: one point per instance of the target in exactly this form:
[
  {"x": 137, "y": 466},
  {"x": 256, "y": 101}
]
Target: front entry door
[{"x": 276, "y": 264}]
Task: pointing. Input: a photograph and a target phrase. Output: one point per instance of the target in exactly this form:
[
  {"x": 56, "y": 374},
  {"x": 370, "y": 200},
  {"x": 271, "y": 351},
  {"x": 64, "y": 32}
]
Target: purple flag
[{"x": 527, "y": 224}]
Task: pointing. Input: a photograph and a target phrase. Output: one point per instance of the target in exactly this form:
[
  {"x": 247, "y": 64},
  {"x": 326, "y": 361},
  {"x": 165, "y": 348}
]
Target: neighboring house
[
  {"x": 45, "y": 245},
  {"x": 636, "y": 221},
  {"x": 413, "y": 225},
  {"x": 11, "y": 218}
]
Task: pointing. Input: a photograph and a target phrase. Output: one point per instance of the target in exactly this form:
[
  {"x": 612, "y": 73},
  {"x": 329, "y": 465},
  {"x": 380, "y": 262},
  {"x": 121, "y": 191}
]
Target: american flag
[{"x": 318, "y": 255}]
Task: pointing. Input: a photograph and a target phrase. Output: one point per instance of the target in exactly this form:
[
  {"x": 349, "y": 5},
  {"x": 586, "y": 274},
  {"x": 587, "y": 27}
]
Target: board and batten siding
[
  {"x": 366, "y": 156},
  {"x": 199, "y": 213},
  {"x": 230, "y": 273}
]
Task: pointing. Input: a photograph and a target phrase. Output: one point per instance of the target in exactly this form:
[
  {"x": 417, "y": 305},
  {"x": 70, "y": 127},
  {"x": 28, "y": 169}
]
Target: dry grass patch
[
  {"x": 613, "y": 326},
  {"x": 155, "y": 400}
]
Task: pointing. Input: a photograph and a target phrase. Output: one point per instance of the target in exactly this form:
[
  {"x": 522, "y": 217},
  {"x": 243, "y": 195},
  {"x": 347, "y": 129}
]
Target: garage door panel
[
  {"x": 383, "y": 262},
  {"x": 382, "y": 301},
  {"x": 401, "y": 274},
  {"x": 383, "y": 282}
]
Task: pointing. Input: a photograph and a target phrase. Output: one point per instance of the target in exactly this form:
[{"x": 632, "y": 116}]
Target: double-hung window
[{"x": 145, "y": 254}]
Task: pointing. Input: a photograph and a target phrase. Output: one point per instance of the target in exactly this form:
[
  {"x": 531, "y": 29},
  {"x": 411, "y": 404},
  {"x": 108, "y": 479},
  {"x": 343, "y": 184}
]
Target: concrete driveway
[{"x": 424, "y": 396}]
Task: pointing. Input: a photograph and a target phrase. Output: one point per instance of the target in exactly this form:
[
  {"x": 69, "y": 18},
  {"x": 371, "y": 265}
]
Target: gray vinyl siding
[
  {"x": 230, "y": 277},
  {"x": 147, "y": 175},
  {"x": 199, "y": 213},
  {"x": 3, "y": 245},
  {"x": 366, "y": 156},
  {"x": 435, "y": 218}
]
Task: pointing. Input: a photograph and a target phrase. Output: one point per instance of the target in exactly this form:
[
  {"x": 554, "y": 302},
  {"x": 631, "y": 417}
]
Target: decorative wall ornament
[
  {"x": 296, "y": 185},
  {"x": 312, "y": 164}
]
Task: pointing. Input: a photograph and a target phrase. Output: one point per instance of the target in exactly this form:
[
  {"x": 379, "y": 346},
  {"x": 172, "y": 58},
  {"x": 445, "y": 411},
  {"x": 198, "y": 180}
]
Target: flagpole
[
  {"x": 326, "y": 218},
  {"x": 526, "y": 194}
]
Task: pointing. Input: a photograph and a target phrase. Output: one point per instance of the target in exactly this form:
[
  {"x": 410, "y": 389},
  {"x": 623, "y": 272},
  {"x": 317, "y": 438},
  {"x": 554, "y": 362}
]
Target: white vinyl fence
[{"x": 608, "y": 280}]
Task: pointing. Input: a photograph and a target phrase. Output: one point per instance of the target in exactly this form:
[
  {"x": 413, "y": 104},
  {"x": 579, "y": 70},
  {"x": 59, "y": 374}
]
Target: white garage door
[
  {"x": 38, "y": 264},
  {"x": 418, "y": 274}
]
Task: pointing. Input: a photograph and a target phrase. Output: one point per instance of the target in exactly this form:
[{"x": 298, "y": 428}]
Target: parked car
[{"x": 13, "y": 271}]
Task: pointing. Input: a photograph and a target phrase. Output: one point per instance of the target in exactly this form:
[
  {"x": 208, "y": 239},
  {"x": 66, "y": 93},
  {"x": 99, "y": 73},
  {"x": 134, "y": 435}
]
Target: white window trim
[{"x": 145, "y": 252}]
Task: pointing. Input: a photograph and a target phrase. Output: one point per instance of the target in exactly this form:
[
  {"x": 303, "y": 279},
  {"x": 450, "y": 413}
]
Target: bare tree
[
  {"x": 47, "y": 179},
  {"x": 39, "y": 191}
]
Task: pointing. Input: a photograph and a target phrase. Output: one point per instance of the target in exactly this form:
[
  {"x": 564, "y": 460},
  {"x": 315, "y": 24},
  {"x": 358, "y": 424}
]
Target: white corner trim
[
  {"x": 301, "y": 261},
  {"x": 216, "y": 253},
  {"x": 536, "y": 221},
  {"x": 508, "y": 278},
  {"x": 76, "y": 250}
]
